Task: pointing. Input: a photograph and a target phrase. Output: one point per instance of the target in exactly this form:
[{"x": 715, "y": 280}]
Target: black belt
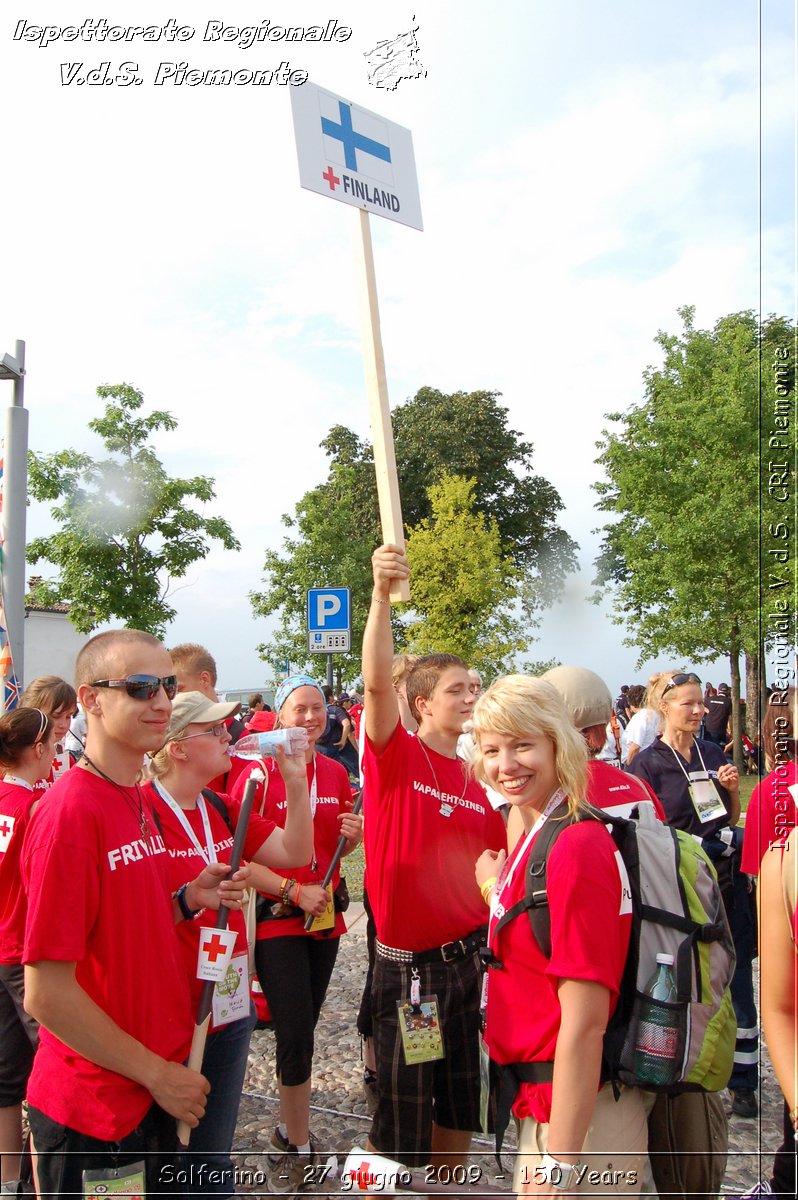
[{"x": 448, "y": 953}]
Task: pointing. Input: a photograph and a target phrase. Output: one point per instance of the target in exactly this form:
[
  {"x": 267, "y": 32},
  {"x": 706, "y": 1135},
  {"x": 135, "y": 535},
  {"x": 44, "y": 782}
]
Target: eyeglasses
[
  {"x": 142, "y": 687},
  {"x": 216, "y": 730},
  {"x": 678, "y": 680}
]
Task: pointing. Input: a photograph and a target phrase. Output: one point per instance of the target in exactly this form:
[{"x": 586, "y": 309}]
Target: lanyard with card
[
  {"x": 419, "y": 1025},
  {"x": 231, "y": 994},
  {"x": 115, "y": 1181},
  {"x": 704, "y": 795}
]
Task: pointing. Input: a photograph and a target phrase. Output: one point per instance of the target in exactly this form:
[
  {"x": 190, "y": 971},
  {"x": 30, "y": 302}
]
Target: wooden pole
[
  {"x": 379, "y": 409},
  {"x": 203, "y": 1019}
]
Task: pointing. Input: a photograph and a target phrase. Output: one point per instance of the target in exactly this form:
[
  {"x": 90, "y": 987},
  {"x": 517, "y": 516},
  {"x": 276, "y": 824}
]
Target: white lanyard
[
  {"x": 15, "y": 779},
  {"x": 313, "y": 793},
  {"x": 208, "y": 855},
  {"x": 679, "y": 760},
  {"x": 508, "y": 870}
]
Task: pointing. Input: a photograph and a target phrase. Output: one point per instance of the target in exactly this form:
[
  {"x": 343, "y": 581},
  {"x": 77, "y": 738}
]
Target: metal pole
[
  {"x": 15, "y": 492},
  {"x": 330, "y": 670}
]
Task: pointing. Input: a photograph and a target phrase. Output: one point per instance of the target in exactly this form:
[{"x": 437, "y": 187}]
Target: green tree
[
  {"x": 684, "y": 488},
  {"x": 323, "y": 549},
  {"x": 464, "y": 590},
  {"x": 336, "y": 526},
  {"x": 126, "y": 529}
]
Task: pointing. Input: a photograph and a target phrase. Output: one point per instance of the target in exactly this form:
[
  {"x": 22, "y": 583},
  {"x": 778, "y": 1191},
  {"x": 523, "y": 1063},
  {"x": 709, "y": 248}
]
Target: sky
[{"x": 584, "y": 170}]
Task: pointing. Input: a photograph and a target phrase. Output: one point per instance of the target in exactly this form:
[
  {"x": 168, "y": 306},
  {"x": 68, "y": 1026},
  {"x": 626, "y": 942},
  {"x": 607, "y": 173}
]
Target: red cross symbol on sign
[
  {"x": 331, "y": 178},
  {"x": 214, "y": 948},
  {"x": 5, "y": 829}
]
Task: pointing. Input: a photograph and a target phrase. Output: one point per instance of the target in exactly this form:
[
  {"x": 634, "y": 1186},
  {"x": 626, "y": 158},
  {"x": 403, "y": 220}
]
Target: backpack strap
[
  {"x": 536, "y": 899},
  {"x": 511, "y": 1076},
  {"x": 218, "y": 803}
]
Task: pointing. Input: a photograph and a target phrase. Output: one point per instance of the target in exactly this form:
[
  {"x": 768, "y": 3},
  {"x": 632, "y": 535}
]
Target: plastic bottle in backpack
[
  {"x": 657, "y": 1049},
  {"x": 262, "y": 745}
]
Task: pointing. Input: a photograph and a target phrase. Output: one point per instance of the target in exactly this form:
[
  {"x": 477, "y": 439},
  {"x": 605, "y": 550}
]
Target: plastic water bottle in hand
[
  {"x": 263, "y": 745},
  {"x": 657, "y": 1051}
]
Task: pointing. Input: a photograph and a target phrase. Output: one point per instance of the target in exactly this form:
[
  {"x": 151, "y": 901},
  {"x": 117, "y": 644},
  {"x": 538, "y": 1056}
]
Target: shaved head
[{"x": 95, "y": 660}]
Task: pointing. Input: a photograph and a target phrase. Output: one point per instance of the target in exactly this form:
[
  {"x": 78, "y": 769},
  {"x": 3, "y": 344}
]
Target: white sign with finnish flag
[
  {"x": 329, "y": 622},
  {"x": 351, "y": 154}
]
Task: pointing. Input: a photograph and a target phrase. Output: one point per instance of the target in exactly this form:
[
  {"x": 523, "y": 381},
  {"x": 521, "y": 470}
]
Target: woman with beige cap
[{"x": 197, "y": 827}]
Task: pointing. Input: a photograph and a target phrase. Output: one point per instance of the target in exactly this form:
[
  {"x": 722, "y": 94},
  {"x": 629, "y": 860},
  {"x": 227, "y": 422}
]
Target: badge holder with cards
[
  {"x": 419, "y": 1025},
  {"x": 128, "y": 1180},
  {"x": 705, "y": 797}
]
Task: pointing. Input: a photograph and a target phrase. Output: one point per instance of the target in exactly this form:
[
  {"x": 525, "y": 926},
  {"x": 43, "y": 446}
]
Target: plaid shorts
[{"x": 445, "y": 1092}]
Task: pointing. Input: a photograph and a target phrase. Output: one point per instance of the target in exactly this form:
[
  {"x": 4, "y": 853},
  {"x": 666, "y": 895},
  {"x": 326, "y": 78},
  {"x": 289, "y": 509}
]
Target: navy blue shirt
[{"x": 661, "y": 766}]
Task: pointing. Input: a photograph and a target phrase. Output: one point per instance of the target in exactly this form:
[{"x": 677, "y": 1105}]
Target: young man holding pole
[
  {"x": 426, "y": 822},
  {"x": 104, "y": 974}
]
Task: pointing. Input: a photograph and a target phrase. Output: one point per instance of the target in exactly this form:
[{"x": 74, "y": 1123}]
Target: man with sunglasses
[{"x": 104, "y": 974}]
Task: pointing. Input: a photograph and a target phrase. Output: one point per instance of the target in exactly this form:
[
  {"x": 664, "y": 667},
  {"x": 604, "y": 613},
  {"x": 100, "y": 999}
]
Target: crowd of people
[{"x": 118, "y": 882}]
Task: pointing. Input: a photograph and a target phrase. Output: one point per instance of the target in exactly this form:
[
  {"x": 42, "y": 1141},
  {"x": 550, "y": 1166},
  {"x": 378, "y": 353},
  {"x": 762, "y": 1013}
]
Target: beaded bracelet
[
  {"x": 378, "y": 600},
  {"x": 286, "y": 888}
]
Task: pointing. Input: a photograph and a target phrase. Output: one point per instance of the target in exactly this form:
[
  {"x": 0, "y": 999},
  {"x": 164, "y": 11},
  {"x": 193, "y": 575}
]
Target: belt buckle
[{"x": 450, "y": 952}]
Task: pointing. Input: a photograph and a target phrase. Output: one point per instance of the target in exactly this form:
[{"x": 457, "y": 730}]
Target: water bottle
[
  {"x": 656, "y": 1056},
  {"x": 262, "y": 745}
]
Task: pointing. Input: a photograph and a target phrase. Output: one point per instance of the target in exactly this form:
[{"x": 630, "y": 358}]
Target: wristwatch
[
  {"x": 559, "y": 1175},
  {"x": 189, "y": 914}
]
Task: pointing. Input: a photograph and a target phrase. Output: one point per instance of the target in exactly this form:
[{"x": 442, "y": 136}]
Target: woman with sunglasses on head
[
  {"x": 197, "y": 827},
  {"x": 58, "y": 699},
  {"x": 27, "y": 743},
  {"x": 547, "y": 1013},
  {"x": 295, "y": 965},
  {"x": 700, "y": 792}
]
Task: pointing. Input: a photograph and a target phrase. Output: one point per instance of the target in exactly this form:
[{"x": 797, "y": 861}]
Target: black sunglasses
[
  {"x": 678, "y": 680},
  {"x": 142, "y": 687}
]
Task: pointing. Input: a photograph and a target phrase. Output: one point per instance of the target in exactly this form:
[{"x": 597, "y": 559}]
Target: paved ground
[{"x": 339, "y": 1119}]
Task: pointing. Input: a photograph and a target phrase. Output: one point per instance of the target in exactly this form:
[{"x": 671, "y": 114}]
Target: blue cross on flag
[{"x": 350, "y": 154}]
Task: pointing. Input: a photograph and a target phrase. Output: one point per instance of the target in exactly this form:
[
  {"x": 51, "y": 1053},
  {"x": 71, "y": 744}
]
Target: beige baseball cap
[
  {"x": 585, "y": 693},
  {"x": 191, "y": 708}
]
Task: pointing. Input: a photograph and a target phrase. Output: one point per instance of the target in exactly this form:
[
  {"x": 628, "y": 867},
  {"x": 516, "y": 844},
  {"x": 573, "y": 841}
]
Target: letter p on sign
[{"x": 326, "y": 606}]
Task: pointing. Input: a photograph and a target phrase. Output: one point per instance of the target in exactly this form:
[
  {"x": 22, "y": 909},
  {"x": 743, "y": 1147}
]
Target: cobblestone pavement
[{"x": 338, "y": 1110}]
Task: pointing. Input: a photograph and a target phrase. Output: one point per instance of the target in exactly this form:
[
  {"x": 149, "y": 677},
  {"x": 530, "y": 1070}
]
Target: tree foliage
[
  {"x": 684, "y": 489},
  {"x": 464, "y": 590},
  {"x": 126, "y": 529},
  {"x": 336, "y": 526}
]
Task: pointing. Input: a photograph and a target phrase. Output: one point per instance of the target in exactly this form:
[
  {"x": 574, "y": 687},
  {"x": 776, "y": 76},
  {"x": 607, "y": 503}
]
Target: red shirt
[
  {"x": 420, "y": 861},
  {"x": 771, "y": 814},
  {"x": 60, "y": 765},
  {"x": 186, "y": 863},
  {"x": 589, "y": 941},
  {"x": 333, "y": 797},
  {"x": 617, "y": 791},
  {"x": 98, "y": 896},
  {"x": 16, "y": 801}
]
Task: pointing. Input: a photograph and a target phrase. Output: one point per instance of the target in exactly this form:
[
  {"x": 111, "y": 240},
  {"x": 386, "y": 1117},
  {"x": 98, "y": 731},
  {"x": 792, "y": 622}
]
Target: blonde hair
[
  {"x": 520, "y": 705},
  {"x": 656, "y": 690}
]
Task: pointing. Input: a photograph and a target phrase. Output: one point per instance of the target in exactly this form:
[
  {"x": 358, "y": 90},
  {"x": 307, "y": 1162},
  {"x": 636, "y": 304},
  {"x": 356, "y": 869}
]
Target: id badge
[
  {"x": 420, "y": 1027},
  {"x": 327, "y": 918},
  {"x": 115, "y": 1181},
  {"x": 704, "y": 795},
  {"x": 231, "y": 994}
]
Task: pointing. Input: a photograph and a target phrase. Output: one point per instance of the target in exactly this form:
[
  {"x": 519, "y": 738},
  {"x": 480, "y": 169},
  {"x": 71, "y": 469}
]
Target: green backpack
[{"x": 676, "y": 909}]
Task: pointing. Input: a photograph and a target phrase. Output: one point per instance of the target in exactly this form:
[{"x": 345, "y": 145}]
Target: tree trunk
[
  {"x": 753, "y": 691},
  {"x": 737, "y": 746}
]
